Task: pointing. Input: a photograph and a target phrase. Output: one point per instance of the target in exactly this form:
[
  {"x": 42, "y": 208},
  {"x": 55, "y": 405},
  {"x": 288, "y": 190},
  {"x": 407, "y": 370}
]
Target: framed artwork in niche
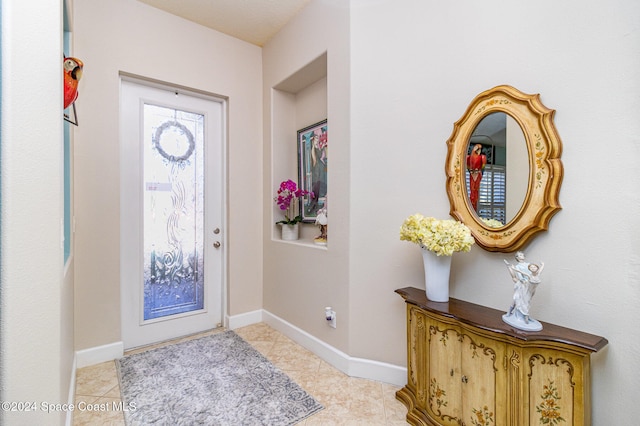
[{"x": 312, "y": 169}]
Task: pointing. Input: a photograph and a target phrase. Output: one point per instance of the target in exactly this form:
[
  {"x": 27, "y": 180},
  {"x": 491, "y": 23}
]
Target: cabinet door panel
[
  {"x": 483, "y": 380},
  {"x": 445, "y": 392},
  {"x": 554, "y": 387}
]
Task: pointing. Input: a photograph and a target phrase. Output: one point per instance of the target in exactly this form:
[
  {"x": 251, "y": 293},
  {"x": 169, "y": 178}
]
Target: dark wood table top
[{"x": 491, "y": 320}]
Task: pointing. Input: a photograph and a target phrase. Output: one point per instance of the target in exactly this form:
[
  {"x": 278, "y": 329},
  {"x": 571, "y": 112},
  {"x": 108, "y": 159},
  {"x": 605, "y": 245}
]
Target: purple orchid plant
[{"x": 287, "y": 194}]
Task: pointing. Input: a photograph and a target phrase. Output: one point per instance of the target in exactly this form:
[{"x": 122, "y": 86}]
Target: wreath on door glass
[{"x": 180, "y": 129}]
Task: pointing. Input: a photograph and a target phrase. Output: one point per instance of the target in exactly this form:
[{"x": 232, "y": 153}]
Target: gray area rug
[{"x": 215, "y": 380}]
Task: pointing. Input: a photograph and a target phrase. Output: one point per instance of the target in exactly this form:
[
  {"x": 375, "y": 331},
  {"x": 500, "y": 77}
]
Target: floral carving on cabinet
[
  {"x": 436, "y": 396},
  {"x": 549, "y": 409},
  {"x": 483, "y": 417}
]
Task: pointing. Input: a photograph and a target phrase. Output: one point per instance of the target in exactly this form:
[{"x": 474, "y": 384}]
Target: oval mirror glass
[{"x": 497, "y": 169}]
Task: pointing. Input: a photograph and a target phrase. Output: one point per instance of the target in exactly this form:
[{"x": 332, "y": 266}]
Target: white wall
[
  {"x": 132, "y": 37},
  {"x": 416, "y": 65},
  {"x": 36, "y": 343}
]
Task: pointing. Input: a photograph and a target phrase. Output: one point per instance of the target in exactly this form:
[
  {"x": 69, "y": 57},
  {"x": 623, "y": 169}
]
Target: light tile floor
[{"x": 346, "y": 400}]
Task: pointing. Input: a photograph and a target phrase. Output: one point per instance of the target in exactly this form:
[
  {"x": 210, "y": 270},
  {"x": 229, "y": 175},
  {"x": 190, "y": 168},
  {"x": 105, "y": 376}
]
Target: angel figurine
[
  {"x": 526, "y": 277},
  {"x": 322, "y": 220}
]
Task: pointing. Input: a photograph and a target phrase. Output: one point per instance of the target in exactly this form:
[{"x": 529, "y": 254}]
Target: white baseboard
[
  {"x": 104, "y": 353},
  {"x": 243, "y": 320},
  {"x": 352, "y": 366}
]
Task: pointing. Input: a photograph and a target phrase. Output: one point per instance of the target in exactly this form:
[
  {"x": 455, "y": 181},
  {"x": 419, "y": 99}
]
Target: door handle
[{"x": 216, "y": 244}]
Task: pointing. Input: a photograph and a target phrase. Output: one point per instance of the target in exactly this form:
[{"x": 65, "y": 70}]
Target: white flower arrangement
[{"x": 443, "y": 237}]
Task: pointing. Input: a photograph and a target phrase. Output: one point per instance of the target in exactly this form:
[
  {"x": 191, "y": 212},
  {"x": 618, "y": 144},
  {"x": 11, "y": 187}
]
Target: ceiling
[{"x": 254, "y": 21}]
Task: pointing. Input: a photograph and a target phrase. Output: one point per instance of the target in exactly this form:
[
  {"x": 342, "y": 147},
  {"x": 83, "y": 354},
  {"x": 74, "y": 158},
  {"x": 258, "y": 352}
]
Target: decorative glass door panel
[{"x": 173, "y": 212}]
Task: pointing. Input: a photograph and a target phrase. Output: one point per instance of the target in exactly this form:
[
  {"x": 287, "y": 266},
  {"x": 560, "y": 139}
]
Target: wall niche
[{"x": 298, "y": 101}]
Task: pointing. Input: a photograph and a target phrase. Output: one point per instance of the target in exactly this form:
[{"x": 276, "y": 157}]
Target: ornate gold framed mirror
[{"x": 503, "y": 168}]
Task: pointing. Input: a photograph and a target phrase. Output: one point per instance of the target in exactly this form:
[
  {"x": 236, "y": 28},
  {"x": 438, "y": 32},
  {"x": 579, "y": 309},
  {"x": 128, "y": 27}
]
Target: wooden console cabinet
[{"x": 467, "y": 367}]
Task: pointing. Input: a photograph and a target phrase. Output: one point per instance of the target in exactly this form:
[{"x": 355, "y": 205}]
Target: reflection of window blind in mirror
[{"x": 492, "y": 200}]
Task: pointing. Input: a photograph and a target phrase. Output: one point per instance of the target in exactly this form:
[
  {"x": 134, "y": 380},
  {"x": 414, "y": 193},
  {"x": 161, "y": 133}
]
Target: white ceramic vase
[
  {"x": 289, "y": 232},
  {"x": 436, "y": 276}
]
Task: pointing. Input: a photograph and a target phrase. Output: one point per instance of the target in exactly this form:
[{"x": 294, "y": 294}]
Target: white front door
[{"x": 171, "y": 212}]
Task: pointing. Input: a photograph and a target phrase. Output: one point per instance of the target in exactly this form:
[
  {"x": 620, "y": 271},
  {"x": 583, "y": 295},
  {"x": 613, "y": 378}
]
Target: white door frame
[{"x": 151, "y": 331}]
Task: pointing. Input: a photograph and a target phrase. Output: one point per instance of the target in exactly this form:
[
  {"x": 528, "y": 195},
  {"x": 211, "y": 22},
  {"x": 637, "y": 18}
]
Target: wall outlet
[{"x": 330, "y": 316}]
